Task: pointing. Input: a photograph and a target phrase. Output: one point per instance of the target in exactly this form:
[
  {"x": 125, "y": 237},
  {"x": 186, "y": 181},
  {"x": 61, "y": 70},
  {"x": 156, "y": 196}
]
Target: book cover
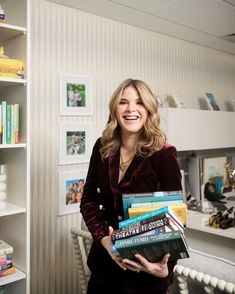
[
  {"x": 145, "y": 216},
  {"x": 153, "y": 247},
  {"x": 211, "y": 102},
  {"x": 7, "y": 271},
  {"x": 179, "y": 209},
  {"x": 130, "y": 231},
  {"x": 129, "y": 198}
]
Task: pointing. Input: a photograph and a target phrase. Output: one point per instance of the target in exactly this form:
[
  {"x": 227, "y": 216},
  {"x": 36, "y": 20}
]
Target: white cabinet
[
  {"x": 14, "y": 211},
  {"x": 192, "y": 129}
]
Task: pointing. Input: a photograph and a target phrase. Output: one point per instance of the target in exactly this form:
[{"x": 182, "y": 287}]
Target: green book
[
  {"x": 8, "y": 124},
  {"x": 153, "y": 247}
]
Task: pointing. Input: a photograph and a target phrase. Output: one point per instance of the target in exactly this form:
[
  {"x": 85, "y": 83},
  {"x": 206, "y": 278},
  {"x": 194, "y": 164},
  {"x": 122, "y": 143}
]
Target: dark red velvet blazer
[{"x": 101, "y": 204}]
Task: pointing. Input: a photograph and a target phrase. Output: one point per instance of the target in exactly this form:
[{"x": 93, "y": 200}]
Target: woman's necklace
[{"x": 124, "y": 164}]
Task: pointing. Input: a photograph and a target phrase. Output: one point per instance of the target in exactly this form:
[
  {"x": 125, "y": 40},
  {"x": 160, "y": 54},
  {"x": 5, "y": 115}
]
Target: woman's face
[{"x": 131, "y": 113}]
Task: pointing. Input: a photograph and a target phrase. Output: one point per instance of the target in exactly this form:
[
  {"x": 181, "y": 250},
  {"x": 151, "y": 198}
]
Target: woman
[{"x": 130, "y": 157}]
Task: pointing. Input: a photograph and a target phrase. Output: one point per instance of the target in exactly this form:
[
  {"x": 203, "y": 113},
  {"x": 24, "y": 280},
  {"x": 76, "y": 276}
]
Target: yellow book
[
  {"x": 179, "y": 209},
  {"x": 9, "y": 75},
  {"x": 11, "y": 63}
]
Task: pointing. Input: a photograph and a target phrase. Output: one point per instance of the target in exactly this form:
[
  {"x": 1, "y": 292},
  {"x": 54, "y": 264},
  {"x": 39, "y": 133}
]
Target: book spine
[
  {"x": 7, "y": 272},
  {"x": 8, "y": 123},
  {"x": 141, "y": 217},
  {"x": 16, "y": 122},
  {"x": 151, "y": 194},
  {"x": 12, "y": 124},
  {"x": 4, "y": 126},
  {"x": 140, "y": 229},
  {"x": 163, "y": 202}
]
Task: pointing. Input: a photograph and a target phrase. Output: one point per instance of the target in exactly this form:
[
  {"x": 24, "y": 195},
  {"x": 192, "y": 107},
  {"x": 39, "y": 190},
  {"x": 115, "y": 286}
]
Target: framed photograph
[
  {"x": 71, "y": 186},
  {"x": 75, "y": 95},
  {"x": 211, "y": 102},
  {"x": 75, "y": 143},
  {"x": 232, "y": 100},
  {"x": 214, "y": 167}
]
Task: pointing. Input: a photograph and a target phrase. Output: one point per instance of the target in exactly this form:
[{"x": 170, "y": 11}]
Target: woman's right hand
[{"x": 107, "y": 244}]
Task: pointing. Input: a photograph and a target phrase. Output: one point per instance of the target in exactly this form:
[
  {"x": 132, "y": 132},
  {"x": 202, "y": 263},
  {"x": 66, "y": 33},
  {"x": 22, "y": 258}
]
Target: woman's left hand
[{"x": 158, "y": 269}]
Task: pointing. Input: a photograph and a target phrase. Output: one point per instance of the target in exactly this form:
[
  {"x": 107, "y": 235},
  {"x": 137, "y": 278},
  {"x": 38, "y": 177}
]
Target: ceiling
[{"x": 207, "y": 22}]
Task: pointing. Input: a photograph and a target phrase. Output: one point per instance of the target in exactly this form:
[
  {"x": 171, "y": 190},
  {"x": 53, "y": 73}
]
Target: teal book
[
  {"x": 153, "y": 247},
  {"x": 160, "y": 196},
  {"x": 8, "y": 124},
  {"x": 144, "y": 216}
]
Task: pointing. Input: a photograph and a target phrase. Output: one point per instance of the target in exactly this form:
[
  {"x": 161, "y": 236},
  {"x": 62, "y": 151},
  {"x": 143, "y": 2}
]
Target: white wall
[{"x": 65, "y": 40}]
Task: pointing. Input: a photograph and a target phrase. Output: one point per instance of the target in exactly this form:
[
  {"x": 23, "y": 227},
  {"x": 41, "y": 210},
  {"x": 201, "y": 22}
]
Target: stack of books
[
  {"x": 6, "y": 257},
  {"x": 139, "y": 203},
  {"x": 10, "y": 68},
  {"x": 153, "y": 226},
  {"x": 151, "y": 235},
  {"x": 9, "y": 123}
]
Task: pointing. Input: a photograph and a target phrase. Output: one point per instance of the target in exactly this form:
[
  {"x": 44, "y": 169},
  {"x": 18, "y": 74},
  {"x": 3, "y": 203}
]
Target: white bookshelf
[
  {"x": 193, "y": 129},
  {"x": 15, "y": 210}
]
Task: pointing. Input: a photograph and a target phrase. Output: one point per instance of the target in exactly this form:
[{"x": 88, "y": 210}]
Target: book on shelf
[
  {"x": 129, "y": 199},
  {"x": 211, "y": 102},
  {"x": 179, "y": 209},
  {"x": 6, "y": 257},
  {"x": 153, "y": 247},
  {"x": 10, "y": 63},
  {"x": 9, "y": 124}
]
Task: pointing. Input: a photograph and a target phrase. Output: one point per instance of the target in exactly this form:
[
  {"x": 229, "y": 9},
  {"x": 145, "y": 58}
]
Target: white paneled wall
[{"x": 65, "y": 40}]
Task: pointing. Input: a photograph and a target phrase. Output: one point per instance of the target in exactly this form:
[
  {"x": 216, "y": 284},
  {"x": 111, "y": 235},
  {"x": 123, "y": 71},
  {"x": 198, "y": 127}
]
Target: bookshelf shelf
[
  {"x": 18, "y": 275},
  {"x": 9, "y": 146},
  {"x": 6, "y": 82},
  {"x": 8, "y": 31},
  {"x": 7, "y": 208}
]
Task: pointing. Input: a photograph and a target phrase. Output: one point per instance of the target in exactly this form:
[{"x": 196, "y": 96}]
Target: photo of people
[
  {"x": 75, "y": 142},
  {"x": 76, "y": 95},
  {"x": 74, "y": 190}
]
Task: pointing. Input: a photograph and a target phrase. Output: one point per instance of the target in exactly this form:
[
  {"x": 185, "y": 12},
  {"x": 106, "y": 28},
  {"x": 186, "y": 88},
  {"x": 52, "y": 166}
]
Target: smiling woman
[{"x": 131, "y": 156}]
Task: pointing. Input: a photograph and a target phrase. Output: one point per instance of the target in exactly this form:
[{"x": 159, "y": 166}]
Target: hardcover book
[
  {"x": 140, "y": 228},
  {"x": 153, "y": 247},
  {"x": 178, "y": 208},
  {"x": 150, "y": 214},
  {"x": 160, "y": 196}
]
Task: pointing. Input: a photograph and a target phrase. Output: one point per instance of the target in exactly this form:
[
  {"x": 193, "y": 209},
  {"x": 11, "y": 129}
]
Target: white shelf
[
  {"x": 193, "y": 129},
  {"x": 10, "y": 146},
  {"x": 7, "y": 82},
  {"x": 8, "y": 31},
  {"x": 195, "y": 220},
  {"x": 18, "y": 275},
  {"x": 7, "y": 208}
]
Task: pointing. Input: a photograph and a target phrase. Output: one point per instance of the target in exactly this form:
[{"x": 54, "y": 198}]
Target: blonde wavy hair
[{"x": 151, "y": 138}]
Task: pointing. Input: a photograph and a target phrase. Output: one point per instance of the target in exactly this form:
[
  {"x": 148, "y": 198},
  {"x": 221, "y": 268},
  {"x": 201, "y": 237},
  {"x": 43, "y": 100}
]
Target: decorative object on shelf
[
  {"x": 2, "y": 14},
  {"x": 214, "y": 167},
  {"x": 6, "y": 254},
  {"x": 71, "y": 185},
  {"x": 75, "y": 95},
  {"x": 211, "y": 102},
  {"x": 75, "y": 142},
  {"x": 3, "y": 182},
  {"x": 159, "y": 101},
  {"x": 221, "y": 219},
  {"x": 177, "y": 99},
  {"x": 230, "y": 175}
]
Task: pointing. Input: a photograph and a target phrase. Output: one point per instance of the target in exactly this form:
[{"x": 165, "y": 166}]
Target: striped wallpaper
[{"x": 65, "y": 40}]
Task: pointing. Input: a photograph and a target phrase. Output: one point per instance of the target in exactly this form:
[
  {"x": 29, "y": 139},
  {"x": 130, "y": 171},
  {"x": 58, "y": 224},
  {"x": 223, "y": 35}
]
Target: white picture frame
[
  {"x": 75, "y": 95},
  {"x": 75, "y": 143},
  {"x": 71, "y": 186},
  {"x": 214, "y": 166}
]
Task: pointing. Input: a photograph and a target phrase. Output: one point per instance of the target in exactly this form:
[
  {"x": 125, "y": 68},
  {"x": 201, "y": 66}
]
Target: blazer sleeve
[
  {"x": 89, "y": 206},
  {"x": 169, "y": 171}
]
